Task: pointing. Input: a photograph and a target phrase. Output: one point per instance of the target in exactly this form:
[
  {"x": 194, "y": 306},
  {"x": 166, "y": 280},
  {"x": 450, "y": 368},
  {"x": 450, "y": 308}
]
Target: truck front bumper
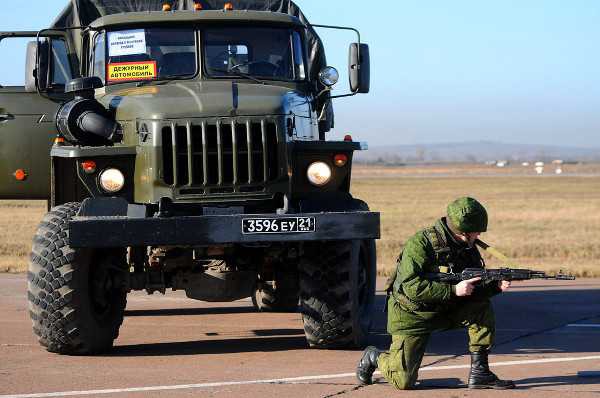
[{"x": 123, "y": 231}]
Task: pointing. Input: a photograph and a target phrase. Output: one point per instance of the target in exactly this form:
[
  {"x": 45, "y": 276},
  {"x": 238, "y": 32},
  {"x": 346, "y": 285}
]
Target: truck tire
[
  {"x": 76, "y": 297},
  {"x": 337, "y": 292},
  {"x": 280, "y": 295}
]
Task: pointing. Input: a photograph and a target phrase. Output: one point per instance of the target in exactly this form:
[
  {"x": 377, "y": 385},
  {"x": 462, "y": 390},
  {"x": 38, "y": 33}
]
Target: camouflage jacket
[{"x": 415, "y": 302}]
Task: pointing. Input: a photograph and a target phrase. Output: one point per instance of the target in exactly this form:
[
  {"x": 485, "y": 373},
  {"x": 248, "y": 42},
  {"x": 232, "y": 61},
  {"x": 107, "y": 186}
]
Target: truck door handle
[{"x": 5, "y": 117}]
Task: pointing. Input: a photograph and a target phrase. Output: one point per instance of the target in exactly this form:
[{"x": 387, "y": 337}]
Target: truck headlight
[
  {"x": 112, "y": 180},
  {"x": 319, "y": 173}
]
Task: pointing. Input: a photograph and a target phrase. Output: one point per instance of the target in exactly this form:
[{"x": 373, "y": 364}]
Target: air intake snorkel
[{"x": 83, "y": 120}]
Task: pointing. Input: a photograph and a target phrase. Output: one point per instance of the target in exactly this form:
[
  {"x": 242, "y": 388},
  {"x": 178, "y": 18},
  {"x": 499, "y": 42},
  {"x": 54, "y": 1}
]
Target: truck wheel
[
  {"x": 337, "y": 292},
  {"x": 280, "y": 295},
  {"x": 76, "y": 297}
]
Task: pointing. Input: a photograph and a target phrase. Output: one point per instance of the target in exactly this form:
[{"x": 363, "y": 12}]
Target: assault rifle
[{"x": 500, "y": 274}]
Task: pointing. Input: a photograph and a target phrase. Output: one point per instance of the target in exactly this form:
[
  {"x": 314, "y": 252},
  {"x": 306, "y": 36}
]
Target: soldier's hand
[
  {"x": 504, "y": 285},
  {"x": 465, "y": 288}
]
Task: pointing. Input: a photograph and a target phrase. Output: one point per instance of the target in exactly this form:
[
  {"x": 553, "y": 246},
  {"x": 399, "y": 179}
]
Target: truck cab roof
[{"x": 208, "y": 16}]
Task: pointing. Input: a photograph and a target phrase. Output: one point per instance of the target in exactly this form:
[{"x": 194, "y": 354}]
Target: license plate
[{"x": 278, "y": 225}]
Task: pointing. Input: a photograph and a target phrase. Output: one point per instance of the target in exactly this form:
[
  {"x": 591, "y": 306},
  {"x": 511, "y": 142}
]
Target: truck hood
[{"x": 181, "y": 100}]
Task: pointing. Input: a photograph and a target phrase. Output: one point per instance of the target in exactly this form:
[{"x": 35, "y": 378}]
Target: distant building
[{"x": 539, "y": 169}]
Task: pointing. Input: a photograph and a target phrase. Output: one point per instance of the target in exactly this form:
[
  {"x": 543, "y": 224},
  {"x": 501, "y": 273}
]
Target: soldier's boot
[
  {"x": 367, "y": 365},
  {"x": 481, "y": 376}
]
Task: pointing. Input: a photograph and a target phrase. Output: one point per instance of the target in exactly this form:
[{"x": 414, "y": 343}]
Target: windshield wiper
[
  {"x": 238, "y": 73},
  {"x": 163, "y": 80}
]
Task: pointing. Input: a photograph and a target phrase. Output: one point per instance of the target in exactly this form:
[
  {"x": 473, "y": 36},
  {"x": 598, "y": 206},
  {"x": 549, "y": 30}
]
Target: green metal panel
[
  {"x": 27, "y": 130},
  {"x": 25, "y": 139}
]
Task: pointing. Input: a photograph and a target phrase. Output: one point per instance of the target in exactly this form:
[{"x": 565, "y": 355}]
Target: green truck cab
[{"x": 189, "y": 154}]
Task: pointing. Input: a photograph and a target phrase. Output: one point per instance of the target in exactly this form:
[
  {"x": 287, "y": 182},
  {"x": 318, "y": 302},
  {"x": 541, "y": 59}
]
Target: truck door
[{"x": 27, "y": 127}]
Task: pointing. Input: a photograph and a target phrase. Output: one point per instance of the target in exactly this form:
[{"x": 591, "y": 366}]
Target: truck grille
[{"x": 223, "y": 157}]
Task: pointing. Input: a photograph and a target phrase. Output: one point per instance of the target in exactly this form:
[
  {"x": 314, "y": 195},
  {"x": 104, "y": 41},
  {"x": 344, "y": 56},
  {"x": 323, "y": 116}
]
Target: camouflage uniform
[{"x": 417, "y": 306}]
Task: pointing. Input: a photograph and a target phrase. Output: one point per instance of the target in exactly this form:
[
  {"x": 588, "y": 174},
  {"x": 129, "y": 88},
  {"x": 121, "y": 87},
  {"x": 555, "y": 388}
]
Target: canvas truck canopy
[{"x": 84, "y": 12}]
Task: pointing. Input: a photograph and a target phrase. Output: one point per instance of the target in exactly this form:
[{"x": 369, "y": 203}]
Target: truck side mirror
[
  {"x": 359, "y": 68},
  {"x": 30, "y": 67},
  {"x": 36, "y": 66}
]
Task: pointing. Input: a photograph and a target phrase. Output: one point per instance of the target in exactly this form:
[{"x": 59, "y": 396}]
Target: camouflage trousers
[{"x": 400, "y": 366}]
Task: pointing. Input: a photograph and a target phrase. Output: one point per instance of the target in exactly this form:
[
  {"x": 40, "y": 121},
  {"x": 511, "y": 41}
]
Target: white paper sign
[{"x": 127, "y": 42}]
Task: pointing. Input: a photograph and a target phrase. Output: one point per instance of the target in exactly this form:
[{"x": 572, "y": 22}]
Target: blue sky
[{"x": 451, "y": 71}]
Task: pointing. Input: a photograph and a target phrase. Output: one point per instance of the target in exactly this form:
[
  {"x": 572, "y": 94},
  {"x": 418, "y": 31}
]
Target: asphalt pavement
[{"x": 548, "y": 331}]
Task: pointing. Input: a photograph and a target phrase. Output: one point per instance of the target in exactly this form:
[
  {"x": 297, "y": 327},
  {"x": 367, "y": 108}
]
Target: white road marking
[
  {"x": 583, "y": 325},
  {"x": 278, "y": 381}
]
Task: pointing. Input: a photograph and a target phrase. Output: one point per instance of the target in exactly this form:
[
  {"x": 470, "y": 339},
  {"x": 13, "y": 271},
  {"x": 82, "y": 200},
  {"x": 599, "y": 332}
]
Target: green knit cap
[{"x": 467, "y": 215}]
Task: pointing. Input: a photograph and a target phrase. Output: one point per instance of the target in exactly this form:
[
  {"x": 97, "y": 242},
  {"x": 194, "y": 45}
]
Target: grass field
[
  {"x": 18, "y": 221},
  {"x": 546, "y": 223}
]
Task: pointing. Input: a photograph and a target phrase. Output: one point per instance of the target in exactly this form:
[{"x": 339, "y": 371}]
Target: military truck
[{"x": 182, "y": 145}]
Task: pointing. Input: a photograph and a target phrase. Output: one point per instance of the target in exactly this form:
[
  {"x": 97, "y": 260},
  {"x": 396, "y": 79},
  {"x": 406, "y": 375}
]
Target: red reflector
[
  {"x": 59, "y": 140},
  {"x": 166, "y": 7},
  {"x": 228, "y": 7},
  {"x": 89, "y": 166},
  {"x": 348, "y": 138},
  {"x": 340, "y": 160},
  {"x": 20, "y": 175},
  {"x": 197, "y": 6}
]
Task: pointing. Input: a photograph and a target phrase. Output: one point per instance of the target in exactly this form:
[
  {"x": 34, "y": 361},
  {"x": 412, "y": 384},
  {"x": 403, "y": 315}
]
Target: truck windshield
[
  {"x": 145, "y": 54},
  {"x": 259, "y": 52}
]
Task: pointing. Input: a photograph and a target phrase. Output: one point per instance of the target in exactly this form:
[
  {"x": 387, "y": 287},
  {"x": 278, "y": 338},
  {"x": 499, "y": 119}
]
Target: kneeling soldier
[{"x": 418, "y": 306}]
